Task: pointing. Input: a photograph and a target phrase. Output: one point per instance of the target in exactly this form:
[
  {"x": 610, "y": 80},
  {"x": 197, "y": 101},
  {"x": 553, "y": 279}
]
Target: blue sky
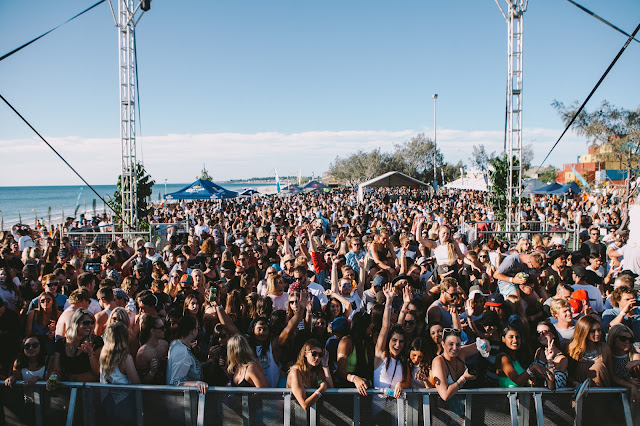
[{"x": 248, "y": 86}]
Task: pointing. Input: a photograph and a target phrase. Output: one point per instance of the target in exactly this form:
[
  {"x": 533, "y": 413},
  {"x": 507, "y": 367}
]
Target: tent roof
[
  {"x": 393, "y": 179},
  {"x": 531, "y": 185},
  {"x": 547, "y": 188},
  {"x": 201, "y": 190},
  {"x": 475, "y": 183},
  {"x": 573, "y": 187},
  {"x": 314, "y": 184}
]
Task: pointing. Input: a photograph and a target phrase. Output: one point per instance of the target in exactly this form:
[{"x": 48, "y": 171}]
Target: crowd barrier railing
[{"x": 93, "y": 404}]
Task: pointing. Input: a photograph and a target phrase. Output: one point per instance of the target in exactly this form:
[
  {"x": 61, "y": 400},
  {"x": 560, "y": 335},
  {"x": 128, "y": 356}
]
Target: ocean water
[{"x": 31, "y": 201}]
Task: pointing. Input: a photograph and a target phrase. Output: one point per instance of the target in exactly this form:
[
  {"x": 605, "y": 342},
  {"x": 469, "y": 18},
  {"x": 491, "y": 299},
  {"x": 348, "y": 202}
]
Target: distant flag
[
  {"x": 581, "y": 179},
  {"x": 277, "y": 182}
]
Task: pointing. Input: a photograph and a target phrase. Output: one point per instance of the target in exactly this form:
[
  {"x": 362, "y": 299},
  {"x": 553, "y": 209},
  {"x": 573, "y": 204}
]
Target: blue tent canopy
[
  {"x": 553, "y": 186},
  {"x": 314, "y": 185},
  {"x": 573, "y": 187},
  {"x": 202, "y": 190}
]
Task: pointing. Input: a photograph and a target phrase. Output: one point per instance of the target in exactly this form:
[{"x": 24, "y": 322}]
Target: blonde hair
[
  {"x": 120, "y": 313},
  {"x": 578, "y": 344},
  {"x": 115, "y": 349},
  {"x": 558, "y": 304},
  {"x": 271, "y": 283},
  {"x": 72, "y": 330},
  {"x": 301, "y": 362},
  {"x": 239, "y": 353}
]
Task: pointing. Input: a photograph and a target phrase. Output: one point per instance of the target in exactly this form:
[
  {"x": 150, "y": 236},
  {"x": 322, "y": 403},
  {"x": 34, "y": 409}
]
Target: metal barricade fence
[
  {"x": 95, "y": 404},
  {"x": 81, "y": 240},
  {"x": 571, "y": 236},
  {"x": 161, "y": 232}
]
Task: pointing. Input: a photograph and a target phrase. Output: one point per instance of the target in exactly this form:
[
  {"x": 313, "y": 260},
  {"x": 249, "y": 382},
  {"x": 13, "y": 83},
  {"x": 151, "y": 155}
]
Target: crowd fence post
[
  {"x": 139, "y": 408},
  {"x": 426, "y": 409},
  {"x": 313, "y": 414},
  {"x": 37, "y": 400},
  {"x": 72, "y": 405},
  {"x": 287, "y": 409},
  {"x": 627, "y": 409},
  {"x": 202, "y": 399},
  {"x": 245, "y": 409},
  {"x": 356, "y": 409},
  {"x": 467, "y": 409},
  {"x": 513, "y": 408},
  {"x": 537, "y": 399}
]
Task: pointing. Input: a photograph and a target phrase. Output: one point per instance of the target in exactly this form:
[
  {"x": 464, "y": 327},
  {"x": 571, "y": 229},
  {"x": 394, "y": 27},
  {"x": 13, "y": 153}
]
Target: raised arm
[
  {"x": 282, "y": 339},
  {"x": 425, "y": 242},
  {"x": 386, "y": 324},
  {"x": 225, "y": 320}
]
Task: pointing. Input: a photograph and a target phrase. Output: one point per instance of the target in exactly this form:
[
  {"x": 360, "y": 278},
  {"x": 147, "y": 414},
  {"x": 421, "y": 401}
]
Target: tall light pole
[{"x": 435, "y": 176}]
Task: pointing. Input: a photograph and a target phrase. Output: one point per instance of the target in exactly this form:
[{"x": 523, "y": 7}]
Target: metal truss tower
[
  {"x": 513, "y": 16},
  {"x": 125, "y": 22}
]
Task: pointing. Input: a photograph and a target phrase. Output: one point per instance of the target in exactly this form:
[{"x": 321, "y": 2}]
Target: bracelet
[
  {"x": 511, "y": 280},
  {"x": 318, "y": 393},
  {"x": 389, "y": 307},
  {"x": 458, "y": 384},
  {"x": 463, "y": 380},
  {"x": 529, "y": 372}
]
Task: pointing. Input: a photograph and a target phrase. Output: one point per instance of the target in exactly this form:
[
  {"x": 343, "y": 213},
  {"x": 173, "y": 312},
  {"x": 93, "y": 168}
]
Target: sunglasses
[
  {"x": 410, "y": 322},
  {"x": 52, "y": 284},
  {"x": 483, "y": 257},
  {"x": 625, "y": 339},
  {"x": 451, "y": 331},
  {"x": 543, "y": 332},
  {"x": 46, "y": 301},
  {"x": 316, "y": 354},
  {"x": 29, "y": 346},
  {"x": 87, "y": 323}
]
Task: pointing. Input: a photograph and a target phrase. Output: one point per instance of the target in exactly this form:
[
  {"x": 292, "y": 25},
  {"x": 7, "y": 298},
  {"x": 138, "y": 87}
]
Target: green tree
[
  {"x": 617, "y": 128},
  {"x": 548, "y": 174},
  {"x": 204, "y": 174},
  {"x": 415, "y": 158},
  {"x": 145, "y": 185},
  {"x": 498, "y": 178}
]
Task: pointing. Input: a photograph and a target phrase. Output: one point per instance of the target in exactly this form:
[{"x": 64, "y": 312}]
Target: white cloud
[{"x": 179, "y": 157}]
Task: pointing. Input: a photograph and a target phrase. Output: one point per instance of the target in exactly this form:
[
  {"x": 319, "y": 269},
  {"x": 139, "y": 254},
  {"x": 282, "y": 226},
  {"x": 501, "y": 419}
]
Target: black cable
[
  {"x": 604, "y": 21},
  {"x": 631, "y": 37},
  {"x": 62, "y": 158},
  {"x": 42, "y": 35}
]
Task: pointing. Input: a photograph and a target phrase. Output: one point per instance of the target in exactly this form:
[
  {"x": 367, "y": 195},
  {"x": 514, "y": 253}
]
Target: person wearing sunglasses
[
  {"x": 42, "y": 320},
  {"x": 439, "y": 311},
  {"x": 76, "y": 357},
  {"x": 550, "y": 356},
  {"x": 450, "y": 373},
  {"x": 310, "y": 370},
  {"x": 626, "y": 360},
  {"x": 151, "y": 359},
  {"x": 30, "y": 365}
]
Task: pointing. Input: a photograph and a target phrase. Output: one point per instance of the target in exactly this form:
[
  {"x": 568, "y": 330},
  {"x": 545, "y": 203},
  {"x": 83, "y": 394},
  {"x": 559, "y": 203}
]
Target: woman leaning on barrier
[
  {"x": 626, "y": 360},
  {"x": 117, "y": 368},
  {"x": 550, "y": 356},
  {"x": 310, "y": 370},
  {"x": 183, "y": 369},
  {"x": 76, "y": 357},
  {"x": 513, "y": 363},
  {"x": 589, "y": 357},
  {"x": 449, "y": 370},
  {"x": 243, "y": 365}
]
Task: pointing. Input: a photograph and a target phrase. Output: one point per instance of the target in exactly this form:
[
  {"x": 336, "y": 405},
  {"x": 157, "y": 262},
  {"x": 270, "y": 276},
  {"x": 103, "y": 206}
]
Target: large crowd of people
[{"x": 406, "y": 290}]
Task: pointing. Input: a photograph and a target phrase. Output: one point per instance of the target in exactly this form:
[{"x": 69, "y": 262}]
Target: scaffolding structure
[
  {"x": 513, "y": 16},
  {"x": 126, "y": 21}
]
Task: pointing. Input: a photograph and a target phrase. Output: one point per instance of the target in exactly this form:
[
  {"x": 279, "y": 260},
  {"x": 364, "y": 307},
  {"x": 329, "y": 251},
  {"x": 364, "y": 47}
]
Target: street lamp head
[{"x": 435, "y": 96}]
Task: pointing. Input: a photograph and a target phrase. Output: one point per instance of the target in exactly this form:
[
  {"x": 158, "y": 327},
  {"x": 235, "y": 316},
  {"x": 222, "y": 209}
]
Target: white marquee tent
[{"x": 390, "y": 179}]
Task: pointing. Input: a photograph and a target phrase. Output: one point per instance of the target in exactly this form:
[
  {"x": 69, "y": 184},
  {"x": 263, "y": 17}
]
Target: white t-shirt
[{"x": 318, "y": 291}]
